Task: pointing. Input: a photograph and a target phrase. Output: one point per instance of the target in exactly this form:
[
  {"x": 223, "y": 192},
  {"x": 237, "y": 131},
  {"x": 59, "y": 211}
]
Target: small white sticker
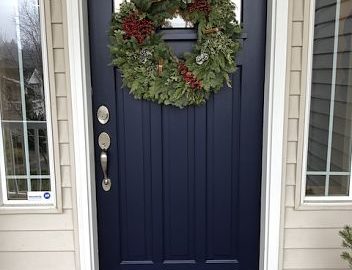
[{"x": 39, "y": 196}]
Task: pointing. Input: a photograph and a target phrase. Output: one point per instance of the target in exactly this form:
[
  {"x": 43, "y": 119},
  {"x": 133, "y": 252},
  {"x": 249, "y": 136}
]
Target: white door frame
[{"x": 273, "y": 133}]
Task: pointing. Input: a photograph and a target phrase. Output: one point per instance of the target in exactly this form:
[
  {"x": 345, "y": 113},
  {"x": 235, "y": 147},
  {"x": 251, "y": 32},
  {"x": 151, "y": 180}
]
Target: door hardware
[
  {"x": 103, "y": 115},
  {"x": 104, "y": 143},
  {"x": 106, "y": 184}
]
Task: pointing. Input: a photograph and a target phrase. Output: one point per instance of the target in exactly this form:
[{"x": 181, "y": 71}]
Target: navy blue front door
[{"x": 185, "y": 183}]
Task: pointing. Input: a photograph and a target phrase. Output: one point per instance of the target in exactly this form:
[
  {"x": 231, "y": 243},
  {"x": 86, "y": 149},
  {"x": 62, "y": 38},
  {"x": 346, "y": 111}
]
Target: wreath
[{"x": 152, "y": 71}]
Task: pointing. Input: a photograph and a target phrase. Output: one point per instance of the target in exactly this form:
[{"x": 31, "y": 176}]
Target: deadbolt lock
[
  {"x": 104, "y": 141},
  {"x": 103, "y": 115}
]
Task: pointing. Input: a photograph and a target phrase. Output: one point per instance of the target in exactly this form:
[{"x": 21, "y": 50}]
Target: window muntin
[
  {"x": 330, "y": 125},
  {"x": 25, "y": 137}
]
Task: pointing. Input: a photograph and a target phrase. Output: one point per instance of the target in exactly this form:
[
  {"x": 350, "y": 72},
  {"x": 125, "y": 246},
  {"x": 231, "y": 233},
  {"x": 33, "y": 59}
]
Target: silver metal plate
[
  {"x": 106, "y": 184},
  {"x": 103, "y": 115},
  {"x": 104, "y": 141}
]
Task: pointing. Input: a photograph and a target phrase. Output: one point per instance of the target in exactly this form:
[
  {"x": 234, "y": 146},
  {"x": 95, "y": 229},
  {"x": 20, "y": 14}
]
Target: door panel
[{"x": 185, "y": 183}]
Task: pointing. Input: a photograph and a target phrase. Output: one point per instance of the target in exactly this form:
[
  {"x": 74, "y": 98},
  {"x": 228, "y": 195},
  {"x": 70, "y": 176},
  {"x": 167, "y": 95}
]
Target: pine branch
[{"x": 346, "y": 235}]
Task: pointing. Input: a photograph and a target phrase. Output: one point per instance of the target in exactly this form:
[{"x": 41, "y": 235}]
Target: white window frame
[
  {"x": 4, "y": 201},
  {"x": 306, "y": 200}
]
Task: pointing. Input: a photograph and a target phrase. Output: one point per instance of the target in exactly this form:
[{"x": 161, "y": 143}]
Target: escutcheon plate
[
  {"x": 104, "y": 141},
  {"x": 106, "y": 184},
  {"x": 103, "y": 115}
]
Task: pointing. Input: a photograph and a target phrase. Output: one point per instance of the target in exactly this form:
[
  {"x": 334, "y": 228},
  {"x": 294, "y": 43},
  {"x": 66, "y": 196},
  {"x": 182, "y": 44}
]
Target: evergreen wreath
[{"x": 149, "y": 67}]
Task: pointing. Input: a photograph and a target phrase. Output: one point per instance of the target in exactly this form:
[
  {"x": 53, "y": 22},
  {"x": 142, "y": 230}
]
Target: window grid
[{"x": 327, "y": 173}]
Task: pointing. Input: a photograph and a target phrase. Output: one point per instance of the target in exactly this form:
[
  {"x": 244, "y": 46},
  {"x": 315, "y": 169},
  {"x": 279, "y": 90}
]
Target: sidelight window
[
  {"x": 329, "y": 144},
  {"x": 25, "y": 131}
]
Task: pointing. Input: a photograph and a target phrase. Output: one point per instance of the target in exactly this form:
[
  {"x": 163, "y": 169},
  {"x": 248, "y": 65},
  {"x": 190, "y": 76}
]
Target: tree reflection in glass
[{"x": 22, "y": 99}]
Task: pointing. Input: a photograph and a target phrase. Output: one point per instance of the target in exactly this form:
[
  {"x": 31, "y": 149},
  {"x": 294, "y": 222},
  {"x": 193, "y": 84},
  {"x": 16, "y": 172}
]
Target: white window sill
[
  {"x": 325, "y": 205},
  {"x": 30, "y": 209}
]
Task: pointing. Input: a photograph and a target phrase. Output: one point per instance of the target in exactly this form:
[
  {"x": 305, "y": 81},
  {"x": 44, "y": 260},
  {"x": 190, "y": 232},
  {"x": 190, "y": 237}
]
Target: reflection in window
[
  {"x": 179, "y": 22},
  {"x": 22, "y": 100},
  {"x": 329, "y": 143}
]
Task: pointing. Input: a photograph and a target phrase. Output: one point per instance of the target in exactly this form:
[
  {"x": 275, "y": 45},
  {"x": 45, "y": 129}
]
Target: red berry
[
  {"x": 189, "y": 77},
  {"x": 200, "y": 6},
  {"x": 139, "y": 29}
]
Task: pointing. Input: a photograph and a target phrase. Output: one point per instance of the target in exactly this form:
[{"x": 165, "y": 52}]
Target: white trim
[
  {"x": 327, "y": 173},
  {"x": 327, "y": 199},
  {"x": 307, "y": 100},
  {"x": 273, "y": 134},
  {"x": 48, "y": 107},
  {"x": 78, "y": 46},
  {"x": 5, "y": 203}
]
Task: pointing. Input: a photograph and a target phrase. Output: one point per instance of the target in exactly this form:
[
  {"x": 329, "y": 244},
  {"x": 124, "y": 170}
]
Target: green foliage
[
  {"x": 139, "y": 70},
  {"x": 125, "y": 9},
  {"x": 346, "y": 235}
]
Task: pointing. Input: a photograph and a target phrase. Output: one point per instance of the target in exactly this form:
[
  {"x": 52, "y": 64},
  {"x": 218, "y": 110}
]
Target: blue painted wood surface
[{"x": 185, "y": 183}]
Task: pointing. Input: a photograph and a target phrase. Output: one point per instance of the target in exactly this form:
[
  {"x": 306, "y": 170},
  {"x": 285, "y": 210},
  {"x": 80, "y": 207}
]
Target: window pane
[
  {"x": 341, "y": 135},
  {"x": 15, "y": 159},
  {"x": 315, "y": 185},
  {"x": 339, "y": 185},
  {"x": 22, "y": 99},
  {"x": 318, "y": 130},
  {"x": 179, "y": 23},
  {"x": 29, "y": 26},
  {"x": 40, "y": 184},
  {"x": 17, "y": 189},
  {"x": 321, "y": 86},
  {"x": 38, "y": 151}
]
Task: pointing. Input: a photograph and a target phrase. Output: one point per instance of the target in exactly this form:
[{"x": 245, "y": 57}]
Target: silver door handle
[
  {"x": 104, "y": 166},
  {"x": 104, "y": 163}
]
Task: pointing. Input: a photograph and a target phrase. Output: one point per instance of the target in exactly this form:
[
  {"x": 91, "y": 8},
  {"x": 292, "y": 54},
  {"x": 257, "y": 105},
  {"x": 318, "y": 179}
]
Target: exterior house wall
[
  {"x": 309, "y": 232},
  {"x": 44, "y": 239}
]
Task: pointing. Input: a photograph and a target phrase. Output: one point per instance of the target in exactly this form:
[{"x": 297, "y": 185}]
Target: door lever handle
[
  {"x": 104, "y": 166},
  {"x": 104, "y": 163}
]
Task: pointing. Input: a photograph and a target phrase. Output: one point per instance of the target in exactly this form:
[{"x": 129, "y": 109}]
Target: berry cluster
[
  {"x": 200, "y": 6},
  {"x": 189, "y": 77},
  {"x": 140, "y": 29}
]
